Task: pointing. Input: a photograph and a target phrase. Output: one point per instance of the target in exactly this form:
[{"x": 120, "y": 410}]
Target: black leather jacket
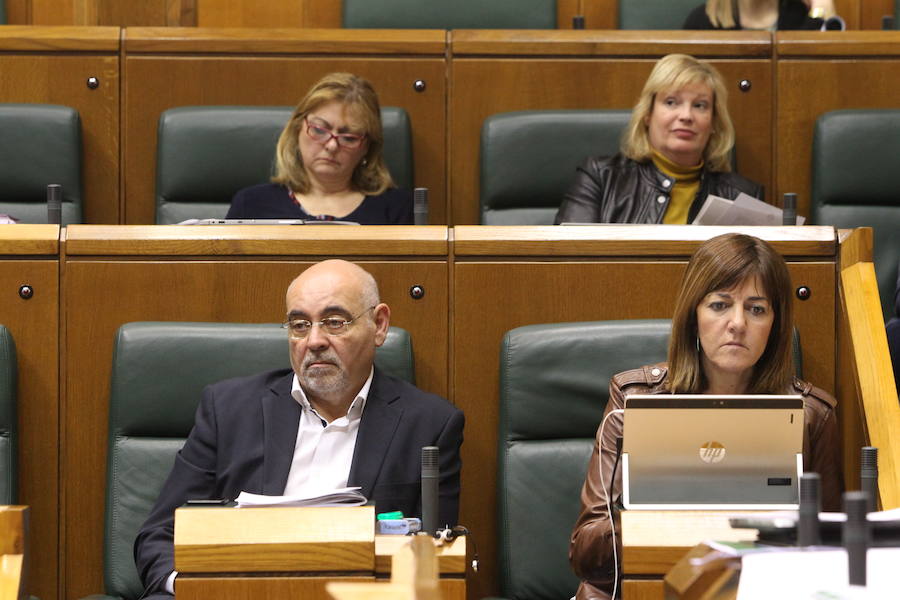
[{"x": 621, "y": 190}]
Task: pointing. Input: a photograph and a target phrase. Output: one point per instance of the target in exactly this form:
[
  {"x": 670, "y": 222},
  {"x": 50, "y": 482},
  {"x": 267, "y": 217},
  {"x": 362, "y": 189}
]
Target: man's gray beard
[{"x": 320, "y": 383}]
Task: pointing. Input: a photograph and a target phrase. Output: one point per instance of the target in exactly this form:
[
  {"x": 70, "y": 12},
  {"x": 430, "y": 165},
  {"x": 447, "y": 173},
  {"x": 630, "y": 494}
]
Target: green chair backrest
[
  {"x": 40, "y": 144},
  {"x": 554, "y": 386},
  {"x": 854, "y": 159},
  {"x": 158, "y": 373},
  {"x": 449, "y": 14},
  {"x": 528, "y": 159},
  {"x": 205, "y": 154},
  {"x": 554, "y": 383},
  {"x": 8, "y": 419},
  {"x": 2, "y": 12},
  {"x": 655, "y": 14}
]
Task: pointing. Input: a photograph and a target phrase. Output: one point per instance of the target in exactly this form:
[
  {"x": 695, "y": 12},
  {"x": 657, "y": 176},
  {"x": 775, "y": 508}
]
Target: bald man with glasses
[{"x": 333, "y": 420}]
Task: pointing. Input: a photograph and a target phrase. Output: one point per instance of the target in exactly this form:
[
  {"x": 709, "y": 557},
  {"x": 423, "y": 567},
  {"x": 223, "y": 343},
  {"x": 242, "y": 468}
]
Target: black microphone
[
  {"x": 808, "y": 514},
  {"x": 856, "y": 536},
  {"x": 54, "y": 204},
  {"x": 789, "y": 210},
  {"x": 430, "y": 476},
  {"x": 420, "y": 206},
  {"x": 578, "y": 22},
  {"x": 868, "y": 475}
]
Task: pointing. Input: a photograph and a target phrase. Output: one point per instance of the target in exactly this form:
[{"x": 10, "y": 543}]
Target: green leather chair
[
  {"x": 41, "y": 144},
  {"x": 528, "y": 159},
  {"x": 554, "y": 382},
  {"x": 854, "y": 183},
  {"x": 449, "y": 14},
  {"x": 655, "y": 14},
  {"x": 8, "y": 420},
  {"x": 2, "y": 12},
  {"x": 554, "y": 386},
  {"x": 158, "y": 373},
  {"x": 205, "y": 154}
]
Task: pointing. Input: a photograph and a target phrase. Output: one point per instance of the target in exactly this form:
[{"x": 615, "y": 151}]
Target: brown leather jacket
[
  {"x": 590, "y": 550},
  {"x": 621, "y": 190}
]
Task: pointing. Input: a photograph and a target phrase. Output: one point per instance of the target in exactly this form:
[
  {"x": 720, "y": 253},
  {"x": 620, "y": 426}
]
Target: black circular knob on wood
[
  {"x": 93, "y": 83},
  {"x": 803, "y": 293},
  {"x": 419, "y": 85},
  {"x": 745, "y": 85},
  {"x": 417, "y": 292},
  {"x": 26, "y": 292}
]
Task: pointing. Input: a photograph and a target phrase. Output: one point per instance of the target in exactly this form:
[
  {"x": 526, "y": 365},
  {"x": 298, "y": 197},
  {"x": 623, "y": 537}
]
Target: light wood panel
[
  {"x": 875, "y": 388},
  {"x": 206, "y": 283},
  {"x": 295, "y": 59},
  {"x": 52, "y": 66},
  {"x": 871, "y": 12},
  {"x": 250, "y": 13},
  {"x": 576, "y": 69},
  {"x": 13, "y": 533},
  {"x": 554, "y": 279},
  {"x": 28, "y": 256},
  {"x": 820, "y": 72},
  {"x": 637, "y": 589}
]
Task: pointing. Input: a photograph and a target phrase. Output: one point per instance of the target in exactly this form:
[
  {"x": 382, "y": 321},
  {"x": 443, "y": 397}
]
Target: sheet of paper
[
  {"x": 349, "y": 496},
  {"x": 712, "y": 211},
  {"x": 816, "y": 574}
]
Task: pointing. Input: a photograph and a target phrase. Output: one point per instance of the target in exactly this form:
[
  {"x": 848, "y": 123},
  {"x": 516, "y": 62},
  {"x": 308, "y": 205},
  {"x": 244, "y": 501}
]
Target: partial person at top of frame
[
  {"x": 330, "y": 163},
  {"x": 765, "y": 15},
  {"x": 675, "y": 152}
]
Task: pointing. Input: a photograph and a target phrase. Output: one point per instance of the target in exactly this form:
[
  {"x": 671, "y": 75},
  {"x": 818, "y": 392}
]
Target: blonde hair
[
  {"x": 721, "y": 13},
  {"x": 723, "y": 263},
  {"x": 371, "y": 175},
  {"x": 676, "y": 71}
]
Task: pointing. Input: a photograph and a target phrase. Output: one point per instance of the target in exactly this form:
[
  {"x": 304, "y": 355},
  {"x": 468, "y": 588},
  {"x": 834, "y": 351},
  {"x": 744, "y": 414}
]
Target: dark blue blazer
[{"x": 243, "y": 438}]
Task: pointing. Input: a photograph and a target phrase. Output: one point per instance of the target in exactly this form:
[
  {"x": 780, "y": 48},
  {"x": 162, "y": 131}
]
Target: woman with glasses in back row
[{"x": 329, "y": 162}]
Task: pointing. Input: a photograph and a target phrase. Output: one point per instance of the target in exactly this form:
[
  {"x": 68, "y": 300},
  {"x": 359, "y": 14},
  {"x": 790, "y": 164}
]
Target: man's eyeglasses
[
  {"x": 298, "y": 329},
  {"x": 323, "y": 135}
]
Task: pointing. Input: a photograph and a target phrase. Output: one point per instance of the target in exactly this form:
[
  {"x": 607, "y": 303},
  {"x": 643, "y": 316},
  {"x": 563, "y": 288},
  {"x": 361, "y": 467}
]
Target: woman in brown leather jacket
[
  {"x": 675, "y": 152},
  {"x": 731, "y": 334}
]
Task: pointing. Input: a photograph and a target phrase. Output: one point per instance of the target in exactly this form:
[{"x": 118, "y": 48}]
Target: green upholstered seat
[
  {"x": 8, "y": 419},
  {"x": 205, "y": 154},
  {"x": 2, "y": 12},
  {"x": 528, "y": 159},
  {"x": 449, "y": 14},
  {"x": 158, "y": 374},
  {"x": 854, "y": 183},
  {"x": 655, "y": 14},
  {"x": 554, "y": 383},
  {"x": 40, "y": 144}
]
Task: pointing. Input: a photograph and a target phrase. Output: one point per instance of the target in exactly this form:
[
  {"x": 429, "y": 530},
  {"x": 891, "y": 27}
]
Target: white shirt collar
[{"x": 356, "y": 407}]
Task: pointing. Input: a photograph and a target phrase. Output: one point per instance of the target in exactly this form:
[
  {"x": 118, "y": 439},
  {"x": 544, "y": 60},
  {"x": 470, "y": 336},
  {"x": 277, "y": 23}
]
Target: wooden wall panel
[
  {"x": 550, "y": 82},
  {"x": 34, "y": 326},
  {"x": 252, "y": 13},
  {"x": 851, "y": 70},
  {"x": 55, "y": 71},
  {"x": 872, "y": 11},
  {"x": 105, "y": 293}
]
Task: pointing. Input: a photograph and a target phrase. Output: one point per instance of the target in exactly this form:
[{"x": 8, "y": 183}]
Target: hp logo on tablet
[{"x": 712, "y": 452}]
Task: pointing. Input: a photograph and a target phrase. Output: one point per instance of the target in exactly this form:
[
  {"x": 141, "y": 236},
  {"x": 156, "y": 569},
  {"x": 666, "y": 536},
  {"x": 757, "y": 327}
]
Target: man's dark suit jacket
[{"x": 243, "y": 439}]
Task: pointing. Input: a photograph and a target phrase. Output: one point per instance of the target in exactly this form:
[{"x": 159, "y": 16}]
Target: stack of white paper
[
  {"x": 744, "y": 210},
  {"x": 348, "y": 496}
]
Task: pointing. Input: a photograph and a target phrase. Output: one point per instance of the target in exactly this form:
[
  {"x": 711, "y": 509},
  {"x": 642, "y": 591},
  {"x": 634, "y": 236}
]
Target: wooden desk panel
[
  {"x": 561, "y": 70},
  {"x": 819, "y": 74},
  {"x": 51, "y": 65},
  {"x": 104, "y": 292},
  {"x": 233, "y": 67},
  {"x": 495, "y": 292},
  {"x": 34, "y": 325}
]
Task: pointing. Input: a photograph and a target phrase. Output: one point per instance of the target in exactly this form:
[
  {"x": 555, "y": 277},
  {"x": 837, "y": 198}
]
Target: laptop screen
[{"x": 683, "y": 451}]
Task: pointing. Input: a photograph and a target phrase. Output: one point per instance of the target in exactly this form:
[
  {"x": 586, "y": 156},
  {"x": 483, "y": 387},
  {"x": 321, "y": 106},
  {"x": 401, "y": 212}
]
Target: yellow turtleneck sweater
[{"x": 687, "y": 184}]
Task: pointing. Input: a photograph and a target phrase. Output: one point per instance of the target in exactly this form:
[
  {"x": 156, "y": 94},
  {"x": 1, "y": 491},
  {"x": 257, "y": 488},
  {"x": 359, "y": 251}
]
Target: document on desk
[
  {"x": 812, "y": 573},
  {"x": 744, "y": 210},
  {"x": 348, "y": 496}
]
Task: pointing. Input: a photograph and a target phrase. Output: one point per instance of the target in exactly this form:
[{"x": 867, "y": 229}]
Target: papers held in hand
[
  {"x": 744, "y": 210},
  {"x": 348, "y": 496}
]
